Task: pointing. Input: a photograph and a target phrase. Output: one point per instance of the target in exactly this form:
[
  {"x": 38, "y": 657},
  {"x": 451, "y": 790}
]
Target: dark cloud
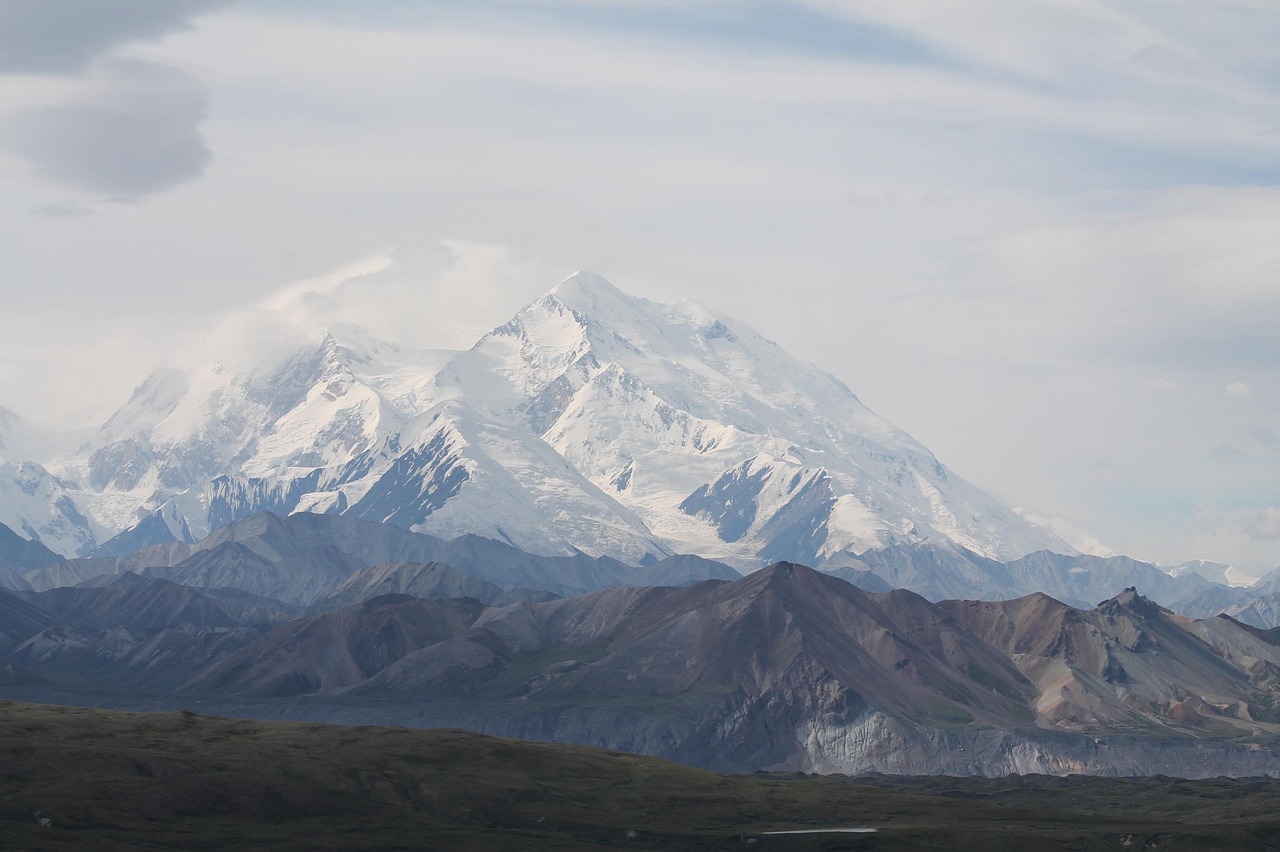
[
  {"x": 133, "y": 131},
  {"x": 60, "y": 36}
]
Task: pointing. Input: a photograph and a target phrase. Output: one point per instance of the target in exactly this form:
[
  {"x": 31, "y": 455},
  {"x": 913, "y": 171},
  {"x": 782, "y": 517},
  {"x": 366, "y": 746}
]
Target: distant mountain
[
  {"x": 125, "y": 632},
  {"x": 20, "y": 619},
  {"x": 1217, "y": 572},
  {"x": 592, "y": 422},
  {"x": 1257, "y": 604},
  {"x": 18, "y": 554},
  {"x": 35, "y": 503},
  {"x": 43, "y": 508},
  {"x": 131, "y": 601},
  {"x": 302, "y": 558},
  {"x": 118, "y": 660},
  {"x": 941, "y": 570},
  {"x": 423, "y": 580}
]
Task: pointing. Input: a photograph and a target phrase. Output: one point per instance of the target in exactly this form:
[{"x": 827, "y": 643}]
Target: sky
[{"x": 1042, "y": 236}]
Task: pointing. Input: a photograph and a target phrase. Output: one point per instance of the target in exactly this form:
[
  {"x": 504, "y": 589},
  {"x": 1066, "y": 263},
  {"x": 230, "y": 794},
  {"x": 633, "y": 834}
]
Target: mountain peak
[
  {"x": 585, "y": 422},
  {"x": 1132, "y": 602},
  {"x": 584, "y": 283},
  {"x": 782, "y": 575},
  {"x": 592, "y": 295}
]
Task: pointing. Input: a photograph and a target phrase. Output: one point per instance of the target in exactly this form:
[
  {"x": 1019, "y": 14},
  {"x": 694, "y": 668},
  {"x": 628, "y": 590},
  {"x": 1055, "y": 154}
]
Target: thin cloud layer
[{"x": 426, "y": 295}]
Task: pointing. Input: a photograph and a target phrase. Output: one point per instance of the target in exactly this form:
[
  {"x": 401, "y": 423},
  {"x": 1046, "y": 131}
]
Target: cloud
[
  {"x": 1239, "y": 390},
  {"x": 996, "y": 237},
  {"x": 62, "y": 36},
  {"x": 1247, "y": 537},
  {"x": 60, "y": 210},
  {"x": 435, "y": 294},
  {"x": 431, "y": 295},
  {"x": 1266, "y": 524},
  {"x": 131, "y": 131}
]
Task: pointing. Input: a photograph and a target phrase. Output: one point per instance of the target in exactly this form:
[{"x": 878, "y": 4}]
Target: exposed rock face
[
  {"x": 882, "y": 744},
  {"x": 792, "y": 668},
  {"x": 785, "y": 668},
  {"x": 423, "y": 580}
]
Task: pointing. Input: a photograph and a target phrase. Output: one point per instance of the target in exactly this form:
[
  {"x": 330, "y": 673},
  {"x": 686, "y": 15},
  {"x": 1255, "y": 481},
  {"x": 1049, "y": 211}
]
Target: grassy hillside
[{"x": 115, "y": 781}]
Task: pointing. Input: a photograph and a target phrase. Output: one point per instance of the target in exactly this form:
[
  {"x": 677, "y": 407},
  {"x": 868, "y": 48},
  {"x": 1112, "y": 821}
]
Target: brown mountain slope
[
  {"x": 340, "y": 648},
  {"x": 1128, "y": 664}
]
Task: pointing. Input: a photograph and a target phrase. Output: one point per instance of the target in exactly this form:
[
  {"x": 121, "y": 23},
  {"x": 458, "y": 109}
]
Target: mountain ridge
[
  {"x": 592, "y": 420},
  {"x": 786, "y": 668}
]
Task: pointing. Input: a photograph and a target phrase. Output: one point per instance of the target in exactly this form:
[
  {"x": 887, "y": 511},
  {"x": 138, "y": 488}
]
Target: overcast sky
[{"x": 1043, "y": 236}]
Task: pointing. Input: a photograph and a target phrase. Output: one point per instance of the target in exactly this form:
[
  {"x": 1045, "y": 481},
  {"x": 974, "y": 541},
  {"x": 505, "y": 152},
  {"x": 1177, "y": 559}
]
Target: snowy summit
[{"x": 593, "y": 420}]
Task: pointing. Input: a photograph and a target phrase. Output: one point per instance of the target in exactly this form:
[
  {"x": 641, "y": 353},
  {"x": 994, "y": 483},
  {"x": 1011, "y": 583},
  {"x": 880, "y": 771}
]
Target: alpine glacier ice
[{"x": 592, "y": 420}]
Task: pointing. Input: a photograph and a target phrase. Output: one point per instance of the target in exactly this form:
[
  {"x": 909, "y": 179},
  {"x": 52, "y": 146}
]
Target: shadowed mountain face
[
  {"x": 302, "y": 558},
  {"x": 423, "y": 580},
  {"x": 793, "y": 668},
  {"x": 339, "y": 648},
  {"x": 19, "y": 619},
  {"x": 128, "y": 632},
  {"x": 132, "y": 601},
  {"x": 19, "y": 554}
]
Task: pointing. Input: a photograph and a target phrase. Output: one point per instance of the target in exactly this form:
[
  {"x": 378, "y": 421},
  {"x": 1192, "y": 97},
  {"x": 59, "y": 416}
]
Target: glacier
[{"x": 593, "y": 421}]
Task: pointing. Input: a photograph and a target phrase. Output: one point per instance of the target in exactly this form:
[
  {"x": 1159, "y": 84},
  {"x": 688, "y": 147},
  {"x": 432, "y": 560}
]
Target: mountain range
[
  {"x": 787, "y": 668},
  {"x": 303, "y": 558},
  {"x": 592, "y": 421},
  {"x": 543, "y": 537}
]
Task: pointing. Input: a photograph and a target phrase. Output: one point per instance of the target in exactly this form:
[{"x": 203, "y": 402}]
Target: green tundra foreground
[{"x": 90, "y": 779}]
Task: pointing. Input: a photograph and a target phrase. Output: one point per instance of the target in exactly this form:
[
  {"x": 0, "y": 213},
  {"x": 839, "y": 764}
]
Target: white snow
[{"x": 585, "y": 422}]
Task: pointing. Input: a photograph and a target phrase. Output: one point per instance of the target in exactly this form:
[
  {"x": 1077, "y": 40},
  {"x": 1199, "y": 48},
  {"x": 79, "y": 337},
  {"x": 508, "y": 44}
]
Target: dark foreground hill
[{"x": 123, "y": 781}]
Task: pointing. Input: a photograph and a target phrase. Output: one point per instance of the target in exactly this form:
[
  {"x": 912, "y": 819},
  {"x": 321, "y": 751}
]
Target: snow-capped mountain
[
  {"x": 721, "y": 442},
  {"x": 1217, "y": 572},
  {"x": 33, "y": 501},
  {"x": 592, "y": 421}
]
